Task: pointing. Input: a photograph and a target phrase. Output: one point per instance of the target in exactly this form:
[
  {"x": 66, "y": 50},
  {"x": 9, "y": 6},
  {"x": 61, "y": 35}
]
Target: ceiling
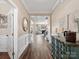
[{"x": 39, "y": 6}]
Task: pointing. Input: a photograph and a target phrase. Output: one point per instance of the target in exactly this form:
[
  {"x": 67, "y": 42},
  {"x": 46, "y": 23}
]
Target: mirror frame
[{"x": 25, "y": 28}]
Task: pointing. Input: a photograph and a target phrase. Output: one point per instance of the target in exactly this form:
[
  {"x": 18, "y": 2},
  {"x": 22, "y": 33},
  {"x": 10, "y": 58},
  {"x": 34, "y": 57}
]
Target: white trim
[
  {"x": 15, "y": 33},
  {"x": 15, "y": 28},
  {"x": 25, "y": 6},
  {"x": 55, "y": 5},
  {"x": 11, "y": 2}
]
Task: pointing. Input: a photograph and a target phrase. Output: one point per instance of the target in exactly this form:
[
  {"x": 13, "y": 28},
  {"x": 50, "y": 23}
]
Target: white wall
[
  {"x": 59, "y": 16},
  {"x": 22, "y": 12},
  {"x": 4, "y": 9}
]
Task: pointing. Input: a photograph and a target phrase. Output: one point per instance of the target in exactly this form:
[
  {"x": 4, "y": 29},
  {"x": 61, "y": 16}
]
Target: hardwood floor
[
  {"x": 38, "y": 50},
  {"x": 4, "y": 55}
]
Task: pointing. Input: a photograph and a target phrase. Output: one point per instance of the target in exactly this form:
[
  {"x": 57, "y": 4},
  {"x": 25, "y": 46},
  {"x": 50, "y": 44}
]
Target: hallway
[
  {"x": 39, "y": 49},
  {"x": 39, "y": 29}
]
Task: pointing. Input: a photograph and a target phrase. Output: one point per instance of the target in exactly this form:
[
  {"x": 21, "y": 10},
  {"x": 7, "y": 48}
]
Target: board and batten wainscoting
[
  {"x": 6, "y": 44},
  {"x": 23, "y": 42}
]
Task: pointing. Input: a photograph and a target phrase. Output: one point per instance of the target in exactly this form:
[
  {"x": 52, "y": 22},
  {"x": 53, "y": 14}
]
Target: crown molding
[
  {"x": 36, "y": 13},
  {"x": 55, "y": 5},
  {"x": 25, "y": 6}
]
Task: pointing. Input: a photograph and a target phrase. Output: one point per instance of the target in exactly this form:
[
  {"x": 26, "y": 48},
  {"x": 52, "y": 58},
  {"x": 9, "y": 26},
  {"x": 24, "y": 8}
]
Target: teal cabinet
[{"x": 61, "y": 50}]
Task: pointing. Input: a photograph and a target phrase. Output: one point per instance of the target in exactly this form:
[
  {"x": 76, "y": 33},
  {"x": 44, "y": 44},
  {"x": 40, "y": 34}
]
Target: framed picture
[{"x": 3, "y": 21}]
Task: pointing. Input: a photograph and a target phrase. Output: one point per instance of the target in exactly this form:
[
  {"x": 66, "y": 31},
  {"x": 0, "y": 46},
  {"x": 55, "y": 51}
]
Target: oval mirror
[{"x": 25, "y": 24}]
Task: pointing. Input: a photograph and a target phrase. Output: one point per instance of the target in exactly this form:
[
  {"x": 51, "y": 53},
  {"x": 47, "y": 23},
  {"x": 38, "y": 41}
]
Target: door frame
[
  {"x": 49, "y": 24},
  {"x": 15, "y": 30}
]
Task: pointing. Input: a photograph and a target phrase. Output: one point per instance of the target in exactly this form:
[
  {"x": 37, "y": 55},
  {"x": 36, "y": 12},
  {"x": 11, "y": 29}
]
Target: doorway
[{"x": 40, "y": 27}]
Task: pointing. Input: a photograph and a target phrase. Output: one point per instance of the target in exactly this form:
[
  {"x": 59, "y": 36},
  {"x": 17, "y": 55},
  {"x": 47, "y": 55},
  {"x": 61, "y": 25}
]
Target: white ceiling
[{"x": 39, "y": 6}]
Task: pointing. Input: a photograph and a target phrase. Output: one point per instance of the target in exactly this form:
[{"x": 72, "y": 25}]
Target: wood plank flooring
[
  {"x": 4, "y": 55},
  {"x": 38, "y": 50}
]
